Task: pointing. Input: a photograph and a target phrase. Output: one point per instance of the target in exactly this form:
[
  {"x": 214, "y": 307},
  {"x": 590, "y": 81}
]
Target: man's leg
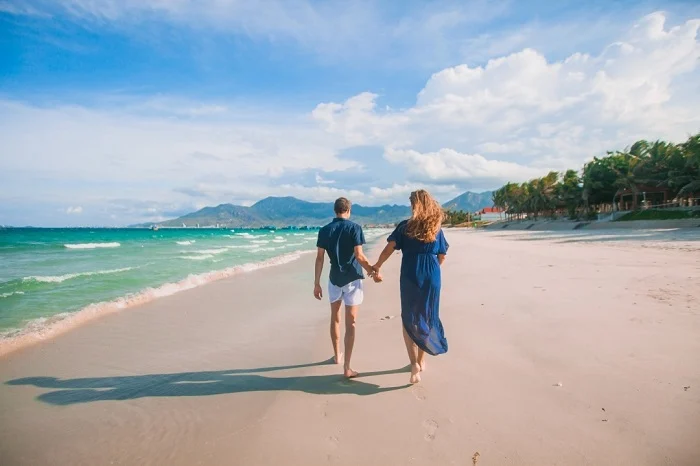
[
  {"x": 335, "y": 331},
  {"x": 350, "y": 318}
]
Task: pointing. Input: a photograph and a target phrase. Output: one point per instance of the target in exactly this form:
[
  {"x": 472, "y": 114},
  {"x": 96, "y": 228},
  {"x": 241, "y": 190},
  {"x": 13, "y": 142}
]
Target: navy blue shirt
[{"x": 339, "y": 239}]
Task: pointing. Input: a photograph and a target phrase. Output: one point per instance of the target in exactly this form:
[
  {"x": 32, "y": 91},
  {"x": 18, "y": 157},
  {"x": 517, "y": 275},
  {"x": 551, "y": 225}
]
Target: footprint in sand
[
  {"x": 324, "y": 408},
  {"x": 430, "y": 429},
  {"x": 419, "y": 392}
]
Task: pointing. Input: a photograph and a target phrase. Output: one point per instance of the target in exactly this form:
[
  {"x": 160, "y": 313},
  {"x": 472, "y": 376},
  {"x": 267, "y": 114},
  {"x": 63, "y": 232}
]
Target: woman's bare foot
[
  {"x": 349, "y": 373},
  {"x": 338, "y": 358},
  {"x": 422, "y": 365},
  {"x": 415, "y": 373}
]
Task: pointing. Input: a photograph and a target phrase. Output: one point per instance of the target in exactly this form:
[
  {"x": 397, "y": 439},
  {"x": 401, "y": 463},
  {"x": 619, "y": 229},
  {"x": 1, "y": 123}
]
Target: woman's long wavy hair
[{"x": 427, "y": 217}]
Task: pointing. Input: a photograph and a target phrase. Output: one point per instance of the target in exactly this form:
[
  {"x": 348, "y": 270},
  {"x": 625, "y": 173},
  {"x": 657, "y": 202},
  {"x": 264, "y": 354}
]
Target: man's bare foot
[
  {"x": 415, "y": 373},
  {"x": 349, "y": 373},
  {"x": 338, "y": 358}
]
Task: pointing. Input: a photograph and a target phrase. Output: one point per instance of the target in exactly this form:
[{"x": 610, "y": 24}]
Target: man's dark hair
[{"x": 341, "y": 205}]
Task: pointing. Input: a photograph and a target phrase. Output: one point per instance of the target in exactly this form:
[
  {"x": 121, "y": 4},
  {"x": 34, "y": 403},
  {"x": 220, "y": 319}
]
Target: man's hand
[{"x": 318, "y": 292}]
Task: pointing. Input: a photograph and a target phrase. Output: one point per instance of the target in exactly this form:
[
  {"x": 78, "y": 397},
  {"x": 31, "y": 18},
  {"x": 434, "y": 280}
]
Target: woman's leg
[
  {"x": 412, "y": 356},
  {"x": 421, "y": 359}
]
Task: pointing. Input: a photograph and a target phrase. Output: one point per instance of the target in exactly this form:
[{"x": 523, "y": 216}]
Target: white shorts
[{"x": 352, "y": 294}]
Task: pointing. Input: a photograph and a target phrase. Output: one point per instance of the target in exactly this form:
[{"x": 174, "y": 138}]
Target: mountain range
[{"x": 290, "y": 211}]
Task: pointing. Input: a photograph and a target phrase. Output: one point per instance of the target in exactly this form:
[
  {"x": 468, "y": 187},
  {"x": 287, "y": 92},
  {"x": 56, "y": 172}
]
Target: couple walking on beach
[{"x": 423, "y": 246}]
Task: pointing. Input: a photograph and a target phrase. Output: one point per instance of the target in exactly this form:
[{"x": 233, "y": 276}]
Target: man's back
[{"x": 339, "y": 239}]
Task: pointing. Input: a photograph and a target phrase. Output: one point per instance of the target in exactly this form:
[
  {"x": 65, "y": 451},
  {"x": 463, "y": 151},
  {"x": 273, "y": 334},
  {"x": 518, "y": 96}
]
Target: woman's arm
[
  {"x": 385, "y": 255},
  {"x": 441, "y": 258}
]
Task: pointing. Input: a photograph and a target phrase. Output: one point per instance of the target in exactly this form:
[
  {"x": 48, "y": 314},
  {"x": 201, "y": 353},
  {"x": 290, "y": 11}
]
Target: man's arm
[
  {"x": 359, "y": 254},
  {"x": 362, "y": 259},
  {"x": 318, "y": 268}
]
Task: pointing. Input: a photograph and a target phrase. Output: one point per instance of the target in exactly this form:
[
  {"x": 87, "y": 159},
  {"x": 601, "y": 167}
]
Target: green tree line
[
  {"x": 658, "y": 170},
  {"x": 456, "y": 217}
]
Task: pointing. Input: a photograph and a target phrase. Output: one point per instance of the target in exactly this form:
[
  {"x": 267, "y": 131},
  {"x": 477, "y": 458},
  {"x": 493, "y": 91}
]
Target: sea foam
[
  {"x": 197, "y": 258},
  {"x": 91, "y": 245},
  {"x": 69, "y": 276}
]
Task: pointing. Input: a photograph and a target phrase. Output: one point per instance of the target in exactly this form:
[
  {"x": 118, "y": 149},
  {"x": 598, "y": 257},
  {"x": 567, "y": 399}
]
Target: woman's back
[{"x": 412, "y": 246}]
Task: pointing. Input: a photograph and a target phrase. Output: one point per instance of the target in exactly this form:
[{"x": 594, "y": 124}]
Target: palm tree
[
  {"x": 628, "y": 175},
  {"x": 676, "y": 167},
  {"x": 498, "y": 199},
  {"x": 690, "y": 178},
  {"x": 570, "y": 192}
]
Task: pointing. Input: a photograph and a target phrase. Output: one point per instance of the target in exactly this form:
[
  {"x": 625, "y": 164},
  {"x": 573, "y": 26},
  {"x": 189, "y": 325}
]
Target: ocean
[{"x": 48, "y": 275}]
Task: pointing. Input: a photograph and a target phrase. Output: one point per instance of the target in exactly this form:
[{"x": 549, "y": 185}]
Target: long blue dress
[{"x": 420, "y": 289}]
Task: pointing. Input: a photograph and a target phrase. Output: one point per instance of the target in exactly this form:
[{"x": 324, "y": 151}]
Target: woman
[{"x": 424, "y": 248}]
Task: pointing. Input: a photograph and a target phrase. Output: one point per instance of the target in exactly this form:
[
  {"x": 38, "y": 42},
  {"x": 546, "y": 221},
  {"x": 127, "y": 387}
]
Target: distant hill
[
  {"x": 284, "y": 211},
  {"x": 470, "y": 202},
  {"x": 290, "y": 211}
]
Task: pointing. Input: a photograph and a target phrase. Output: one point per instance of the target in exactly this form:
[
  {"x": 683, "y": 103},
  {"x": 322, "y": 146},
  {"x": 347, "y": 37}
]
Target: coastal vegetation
[
  {"x": 646, "y": 174},
  {"x": 456, "y": 217},
  {"x": 653, "y": 214}
]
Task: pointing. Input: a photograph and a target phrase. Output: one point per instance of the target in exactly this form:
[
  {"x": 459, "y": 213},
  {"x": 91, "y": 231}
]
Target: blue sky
[{"x": 115, "y": 112}]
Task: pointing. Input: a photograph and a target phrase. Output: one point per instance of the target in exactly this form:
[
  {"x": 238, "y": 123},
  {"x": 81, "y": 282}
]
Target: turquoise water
[{"x": 49, "y": 272}]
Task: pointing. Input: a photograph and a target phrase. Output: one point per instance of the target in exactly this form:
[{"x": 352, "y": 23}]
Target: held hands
[{"x": 376, "y": 276}]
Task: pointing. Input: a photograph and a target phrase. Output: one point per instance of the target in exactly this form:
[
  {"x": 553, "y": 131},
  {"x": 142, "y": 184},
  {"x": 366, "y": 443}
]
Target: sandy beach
[{"x": 568, "y": 349}]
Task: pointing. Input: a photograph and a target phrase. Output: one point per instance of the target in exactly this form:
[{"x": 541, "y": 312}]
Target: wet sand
[{"x": 564, "y": 349}]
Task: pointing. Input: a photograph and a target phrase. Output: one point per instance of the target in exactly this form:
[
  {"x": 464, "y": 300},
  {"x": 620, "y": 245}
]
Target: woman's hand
[{"x": 376, "y": 276}]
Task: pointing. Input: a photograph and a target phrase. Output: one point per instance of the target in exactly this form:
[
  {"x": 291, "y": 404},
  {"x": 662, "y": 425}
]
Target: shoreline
[{"x": 45, "y": 328}]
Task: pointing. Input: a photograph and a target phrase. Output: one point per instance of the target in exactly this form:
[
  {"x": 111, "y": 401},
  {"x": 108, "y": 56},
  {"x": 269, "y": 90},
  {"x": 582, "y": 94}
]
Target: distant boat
[{"x": 154, "y": 227}]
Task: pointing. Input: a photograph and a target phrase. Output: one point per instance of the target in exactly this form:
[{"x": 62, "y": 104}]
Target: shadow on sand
[{"x": 206, "y": 383}]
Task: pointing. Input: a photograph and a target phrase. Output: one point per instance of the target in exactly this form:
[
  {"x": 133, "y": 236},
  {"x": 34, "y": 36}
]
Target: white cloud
[
  {"x": 72, "y": 154},
  {"x": 450, "y": 166},
  {"x": 321, "y": 180},
  {"x": 537, "y": 113},
  {"x": 83, "y": 144},
  {"x": 74, "y": 210},
  {"x": 357, "y": 121}
]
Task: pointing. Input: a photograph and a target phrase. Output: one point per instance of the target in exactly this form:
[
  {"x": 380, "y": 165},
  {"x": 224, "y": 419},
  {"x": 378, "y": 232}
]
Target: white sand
[{"x": 617, "y": 324}]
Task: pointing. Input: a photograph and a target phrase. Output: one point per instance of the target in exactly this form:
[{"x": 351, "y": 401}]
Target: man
[{"x": 342, "y": 240}]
